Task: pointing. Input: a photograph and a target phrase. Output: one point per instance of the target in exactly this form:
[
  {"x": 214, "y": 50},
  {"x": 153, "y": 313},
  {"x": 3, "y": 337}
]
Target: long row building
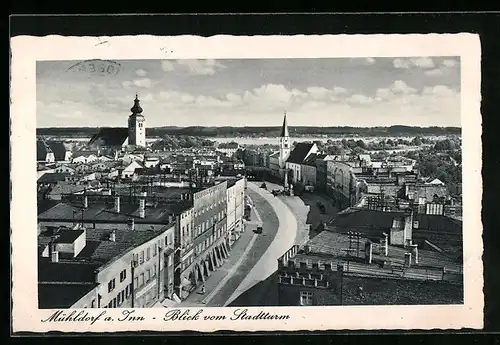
[{"x": 116, "y": 248}]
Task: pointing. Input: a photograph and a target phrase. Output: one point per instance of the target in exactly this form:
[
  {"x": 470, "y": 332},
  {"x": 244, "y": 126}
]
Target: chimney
[
  {"x": 414, "y": 248},
  {"x": 306, "y": 249},
  {"x": 407, "y": 259},
  {"x": 112, "y": 235},
  {"x": 408, "y": 227},
  {"x": 54, "y": 255},
  {"x": 369, "y": 252},
  {"x": 117, "y": 203},
  {"x": 131, "y": 224},
  {"x": 142, "y": 205},
  {"x": 386, "y": 244}
]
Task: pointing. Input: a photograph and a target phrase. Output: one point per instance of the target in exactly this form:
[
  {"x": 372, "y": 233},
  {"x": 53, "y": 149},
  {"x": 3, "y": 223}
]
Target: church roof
[
  {"x": 42, "y": 149},
  {"x": 300, "y": 152},
  {"x": 110, "y": 136},
  {"x": 136, "y": 109},
  {"x": 58, "y": 149},
  {"x": 284, "y": 128}
]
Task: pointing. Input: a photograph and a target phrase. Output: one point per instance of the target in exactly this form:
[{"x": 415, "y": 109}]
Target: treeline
[{"x": 265, "y": 131}]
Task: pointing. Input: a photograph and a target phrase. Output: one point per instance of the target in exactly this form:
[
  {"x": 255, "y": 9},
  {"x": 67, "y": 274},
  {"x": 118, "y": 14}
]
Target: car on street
[{"x": 258, "y": 230}]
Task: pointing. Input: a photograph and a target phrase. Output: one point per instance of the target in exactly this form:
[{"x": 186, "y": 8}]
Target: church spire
[
  {"x": 136, "y": 109},
  {"x": 284, "y": 129}
]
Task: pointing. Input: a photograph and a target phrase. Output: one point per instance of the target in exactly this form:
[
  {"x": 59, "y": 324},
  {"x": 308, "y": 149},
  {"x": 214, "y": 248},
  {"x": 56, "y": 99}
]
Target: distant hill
[{"x": 397, "y": 130}]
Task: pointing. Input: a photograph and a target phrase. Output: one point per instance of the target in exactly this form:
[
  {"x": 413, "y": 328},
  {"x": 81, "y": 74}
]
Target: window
[
  {"x": 111, "y": 285},
  {"x": 92, "y": 304},
  {"x": 136, "y": 282},
  {"x": 306, "y": 298},
  {"x": 119, "y": 301},
  {"x": 154, "y": 270},
  {"x": 110, "y": 304},
  {"x": 155, "y": 249},
  {"x": 141, "y": 258},
  {"x": 114, "y": 302},
  {"x": 141, "y": 279},
  {"x": 148, "y": 254},
  {"x": 123, "y": 275},
  {"x": 148, "y": 276}
]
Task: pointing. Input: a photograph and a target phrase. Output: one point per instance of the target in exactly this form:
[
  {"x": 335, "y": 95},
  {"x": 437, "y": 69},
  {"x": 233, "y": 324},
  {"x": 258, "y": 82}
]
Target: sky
[{"x": 361, "y": 92}]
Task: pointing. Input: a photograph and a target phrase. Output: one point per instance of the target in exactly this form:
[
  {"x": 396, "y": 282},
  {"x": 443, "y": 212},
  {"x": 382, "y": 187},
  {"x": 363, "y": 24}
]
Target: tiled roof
[
  {"x": 66, "y": 188},
  {"x": 58, "y": 149},
  {"x": 299, "y": 153},
  {"x": 311, "y": 160},
  {"x": 370, "y": 219},
  {"x": 73, "y": 272},
  {"x": 52, "y": 177},
  {"x": 45, "y": 204},
  {"x": 54, "y": 296},
  {"x": 378, "y": 220},
  {"x": 102, "y": 213},
  {"x": 41, "y": 150},
  {"x": 68, "y": 235},
  {"x": 335, "y": 244},
  {"x": 110, "y": 136},
  {"x": 438, "y": 223}
]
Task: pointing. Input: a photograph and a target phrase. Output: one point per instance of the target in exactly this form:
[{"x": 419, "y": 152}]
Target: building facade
[
  {"x": 101, "y": 269},
  {"x": 235, "y": 208},
  {"x": 210, "y": 238}
]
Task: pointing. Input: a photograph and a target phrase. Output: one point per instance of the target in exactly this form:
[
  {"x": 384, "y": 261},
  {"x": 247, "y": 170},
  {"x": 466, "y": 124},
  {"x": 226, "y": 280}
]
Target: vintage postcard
[{"x": 264, "y": 183}]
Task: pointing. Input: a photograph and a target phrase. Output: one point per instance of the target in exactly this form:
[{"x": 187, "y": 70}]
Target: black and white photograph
[{"x": 244, "y": 183}]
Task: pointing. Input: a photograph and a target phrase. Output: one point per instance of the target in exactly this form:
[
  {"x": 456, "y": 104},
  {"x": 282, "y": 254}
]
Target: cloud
[
  {"x": 167, "y": 66},
  {"x": 370, "y": 60},
  {"x": 434, "y": 72},
  {"x": 400, "y": 86},
  {"x": 359, "y": 99},
  {"x": 201, "y": 67},
  {"x": 397, "y": 88},
  {"x": 449, "y": 63},
  {"x": 141, "y": 73},
  {"x": 339, "y": 90},
  {"x": 318, "y": 92},
  {"x": 438, "y": 91},
  {"x": 419, "y": 62},
  {"x": 269, "y": 94},
  {"x": 143, "y": 82},
  {"x": 423, "y": 62}
]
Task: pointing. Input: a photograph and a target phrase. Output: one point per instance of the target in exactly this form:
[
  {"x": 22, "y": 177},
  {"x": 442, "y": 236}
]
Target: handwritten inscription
[{"x": 96, "y": 67}]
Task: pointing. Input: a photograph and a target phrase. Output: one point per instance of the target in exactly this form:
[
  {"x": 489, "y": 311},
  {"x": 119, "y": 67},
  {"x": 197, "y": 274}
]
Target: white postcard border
[{"x": 27, "y": 50}]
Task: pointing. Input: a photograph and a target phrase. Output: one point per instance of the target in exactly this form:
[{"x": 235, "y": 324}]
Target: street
[
  {"x": 284, "y": 239},
  {"x": 262, "y": 242}
]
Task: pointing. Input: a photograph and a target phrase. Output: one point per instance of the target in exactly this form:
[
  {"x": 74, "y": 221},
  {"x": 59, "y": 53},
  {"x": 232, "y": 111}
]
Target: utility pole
[{"x": 340, "y": 268}]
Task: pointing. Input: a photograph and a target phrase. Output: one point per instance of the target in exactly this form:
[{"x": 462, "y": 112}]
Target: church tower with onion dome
[{"x": 136, "y": 126}]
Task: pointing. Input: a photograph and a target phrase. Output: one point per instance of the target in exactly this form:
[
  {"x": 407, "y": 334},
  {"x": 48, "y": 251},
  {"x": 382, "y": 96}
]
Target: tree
[
  {"x": 417, "y": 141},
  {"x": 334, "y": 150},
  {"x": 361, "y": 144}
]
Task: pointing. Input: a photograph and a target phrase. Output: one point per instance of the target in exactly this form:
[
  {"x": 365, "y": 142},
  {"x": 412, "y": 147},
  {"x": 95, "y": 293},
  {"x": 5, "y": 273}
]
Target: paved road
[
  {"x": 283, "y": 240},
  {"x": 270, "y": 225}
]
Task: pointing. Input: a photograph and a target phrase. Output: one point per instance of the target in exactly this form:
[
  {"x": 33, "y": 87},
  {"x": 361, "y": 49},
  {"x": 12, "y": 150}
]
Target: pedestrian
[{"x": 203, "y": 289}]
